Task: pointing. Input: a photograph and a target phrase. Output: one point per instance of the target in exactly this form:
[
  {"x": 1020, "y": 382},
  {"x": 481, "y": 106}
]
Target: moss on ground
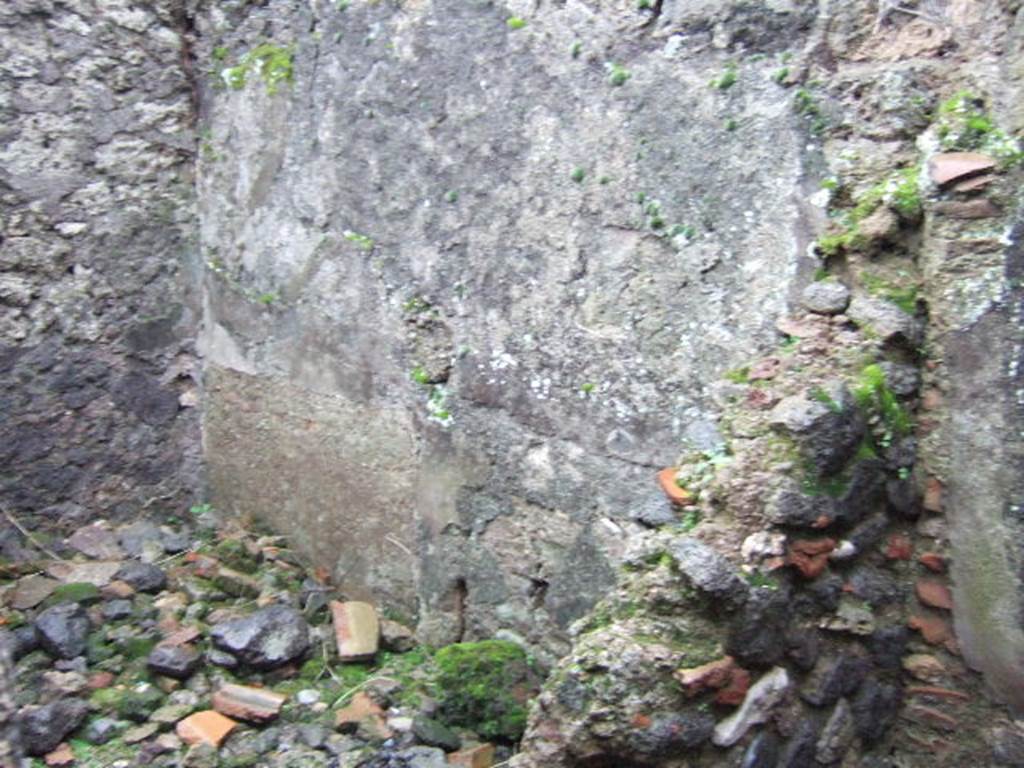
[{"x": 484, "y": 686}]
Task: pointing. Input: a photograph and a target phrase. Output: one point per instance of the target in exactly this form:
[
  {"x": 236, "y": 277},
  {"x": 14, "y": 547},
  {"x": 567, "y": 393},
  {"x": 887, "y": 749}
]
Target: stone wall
[
  {"x": 469, "y": 280},
  {"x": 97, "y": 369}
]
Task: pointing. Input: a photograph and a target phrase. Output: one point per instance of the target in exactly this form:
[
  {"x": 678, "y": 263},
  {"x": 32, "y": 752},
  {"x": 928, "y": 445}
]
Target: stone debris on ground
[{"x": 166, "y": 663}]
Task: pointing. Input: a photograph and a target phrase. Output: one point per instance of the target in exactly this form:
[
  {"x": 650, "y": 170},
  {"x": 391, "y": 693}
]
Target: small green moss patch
[{"x": 485, "y": 686}]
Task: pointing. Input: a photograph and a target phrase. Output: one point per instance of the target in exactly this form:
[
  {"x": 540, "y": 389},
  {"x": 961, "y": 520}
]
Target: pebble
[
  {"x": 826, "y": 297},
  {"x": 307, "y": 696}
]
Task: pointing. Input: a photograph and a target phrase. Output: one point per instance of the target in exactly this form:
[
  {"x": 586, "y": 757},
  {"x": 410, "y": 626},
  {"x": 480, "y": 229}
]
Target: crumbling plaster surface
[{"x": 584, "y": 340}]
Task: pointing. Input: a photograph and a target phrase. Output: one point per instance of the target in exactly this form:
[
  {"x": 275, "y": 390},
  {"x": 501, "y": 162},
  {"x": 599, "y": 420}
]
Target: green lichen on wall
[
  {"x": 964, "y": 124},
  {"x": 270, "y": 63}
]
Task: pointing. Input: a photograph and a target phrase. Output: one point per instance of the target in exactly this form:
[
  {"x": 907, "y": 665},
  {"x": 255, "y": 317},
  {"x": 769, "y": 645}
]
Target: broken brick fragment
[
  {"x": 206, "y": 727},
  {"x": 934, "y": 629},
  {"x": 667, "y": 481},
  {"x": 899, "y": 547},
  {"x": 714, "y": 674},
  {"x": 934, "y": 594},
  {"x": 810, "y": 556}
]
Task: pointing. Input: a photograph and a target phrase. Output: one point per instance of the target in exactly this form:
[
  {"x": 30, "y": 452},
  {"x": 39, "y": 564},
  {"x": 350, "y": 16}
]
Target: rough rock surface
[
  {"x": 44, "y": 727},
  {"x": 63, "y": 630},
  {"x": 265, "y": 639},
  {"x": 331, "y": 301},
  {"x": 96, "y": 211}
]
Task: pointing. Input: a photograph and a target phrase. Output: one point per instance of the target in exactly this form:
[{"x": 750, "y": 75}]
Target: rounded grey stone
[{"x": 826, "y": 297}]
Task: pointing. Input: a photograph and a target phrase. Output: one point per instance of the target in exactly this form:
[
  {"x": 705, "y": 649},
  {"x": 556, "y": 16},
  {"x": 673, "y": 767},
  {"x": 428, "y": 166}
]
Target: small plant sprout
[
  {"x": 416, "y": 305},
  {"x": 419, "y": 375},
  {"x": 515, "y": 22},
  {"x": 682, "y": 231},
  {"x": 437, "y": 408},
  {"x": 271, "y": 63},
  {"x": 361, "y": 241},
  {"x": 266, "y": 298},
  {"x": 578, "y": 174},
  {"x": 727, "y": 79},
  {"x": 964, "y": 124},
  {"x": 587, "y": 388},
  {"x": 617, "y": 74},
  {"x": 451, "y": 196},
  {"x": 576, "y": 49},
  {"x": 690, "y": 520}
]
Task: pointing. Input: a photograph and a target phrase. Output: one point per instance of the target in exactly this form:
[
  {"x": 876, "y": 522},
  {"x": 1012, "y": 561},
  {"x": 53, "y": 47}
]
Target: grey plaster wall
[
  {"x": 447, "y": 336},
  {"x": 97, "y": 370}
]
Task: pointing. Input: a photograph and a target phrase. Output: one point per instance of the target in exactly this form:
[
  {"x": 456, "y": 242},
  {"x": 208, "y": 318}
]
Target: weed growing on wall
[{"x": 270, "y": 63}]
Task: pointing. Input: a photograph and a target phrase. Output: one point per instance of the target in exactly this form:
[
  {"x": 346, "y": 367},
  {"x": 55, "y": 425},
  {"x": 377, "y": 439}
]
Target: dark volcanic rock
[
  {"x": 803, "y": 647},
  {"x": 833, "y": 678},
  {"x": 887, "y": 646},
  {"x": 268, "y": 638},
  {"x": 43, "y": 728},
  {"x": 875, "y": 587},
  {"x": 63, "y": 630},
  {"x": 903, "y": 497},
  {"x": 22, "y": 641},
  {"x": 177, "y": 661},
  {"x": 435, "y": 734},
  {"x": 763, "y": 751},
  {"x": 826, "y": 423},
  {"x": 142, "y": 576},
  {"x": 708, "y": 571},
  {"x": 844, "y": 498},
  {"x": 799, "y": 750},
  {"x": 671, "y": 733},
  {"x": 875, "y": 708},
  {"x": 757, "y": 637}
]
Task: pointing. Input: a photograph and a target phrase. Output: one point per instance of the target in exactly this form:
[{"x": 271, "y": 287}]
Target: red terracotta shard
[
  {"x": 968, "y": 209},
  {"x": 934, "y": 629},
  {"x": 899, "y": 547},
  {"x": 810, "y": 556},
  {"x": 933, "y": 561},
  {"x": 714, "y": 674},
  {"x": 667, "y": 481},
  {"x": 356, "y": 630},
  {"x": 362, "y": 714},
  {"x": 479, "y": 756},
  {"x": 937, "y": 692},
  {"x": 206, "y": 727},
  {"x": 953, "y": 166},
  {"x": 254, "y": 705},
  {"x": 182, "y": 636},
  {"x": 934, "y": 594},
  {"x": 978, "y": 182},
  {"x": 641, "y": 721},
  {"x": 735, "y": 691},
  {"x": 931, "y": 717}
]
